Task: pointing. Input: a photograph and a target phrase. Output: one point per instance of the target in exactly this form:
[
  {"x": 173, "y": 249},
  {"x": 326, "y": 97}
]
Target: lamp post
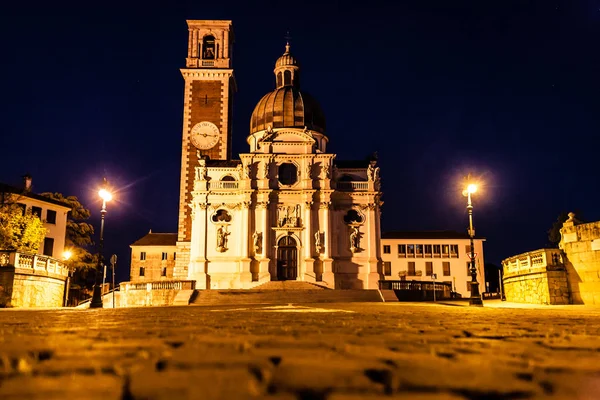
[
  {"x": 97, "y": 295},
  {"x": 475, "y": 299}
]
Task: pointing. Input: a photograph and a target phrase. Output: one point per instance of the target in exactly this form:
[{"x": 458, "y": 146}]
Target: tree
[
  {"x": 554, "y": 232},
  {"x": 20, "y": 229},
  {"x": 78, "y": 239}
]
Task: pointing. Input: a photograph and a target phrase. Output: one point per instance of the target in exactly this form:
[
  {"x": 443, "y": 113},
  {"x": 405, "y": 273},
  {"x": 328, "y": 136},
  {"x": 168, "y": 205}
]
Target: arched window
[
  {"x": 208, "y": 48},
  {"x": 228, "y": 178},
  {"x": 287, "y": 78},
  {"x": 279, "y": 79},
  {"x": 353, "y": 217},
  {"x": 221, "y": 216}
]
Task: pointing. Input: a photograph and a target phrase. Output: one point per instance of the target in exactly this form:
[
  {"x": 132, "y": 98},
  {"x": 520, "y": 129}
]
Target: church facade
[{"x": 286, "y": 209}]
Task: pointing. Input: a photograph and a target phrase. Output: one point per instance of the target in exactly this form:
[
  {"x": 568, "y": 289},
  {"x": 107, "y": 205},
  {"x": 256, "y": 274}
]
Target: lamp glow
[
  {"x": 472, "y": 188},
  {"x": 67, "y": 254},
  {"x": 105, "y": 195}
]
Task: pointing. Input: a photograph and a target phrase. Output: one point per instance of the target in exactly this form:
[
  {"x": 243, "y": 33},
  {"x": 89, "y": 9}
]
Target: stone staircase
[{"x": 283, "y": 292}]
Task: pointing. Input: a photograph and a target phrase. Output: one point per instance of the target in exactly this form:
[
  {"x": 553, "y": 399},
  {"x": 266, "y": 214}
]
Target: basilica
[{"x": 284, "y": 210}]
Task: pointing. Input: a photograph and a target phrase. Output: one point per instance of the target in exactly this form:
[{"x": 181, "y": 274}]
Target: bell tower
[{"x": 207, "y": 108}]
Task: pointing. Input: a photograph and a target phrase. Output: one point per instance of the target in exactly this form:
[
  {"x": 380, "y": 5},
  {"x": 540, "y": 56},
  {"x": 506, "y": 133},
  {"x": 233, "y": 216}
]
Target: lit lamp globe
[
  {"x": 67, "y": 255},
  {"x": 105, "y": 194}
]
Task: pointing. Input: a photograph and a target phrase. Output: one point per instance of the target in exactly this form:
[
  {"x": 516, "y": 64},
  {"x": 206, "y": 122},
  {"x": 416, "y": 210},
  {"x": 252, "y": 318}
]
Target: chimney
[{"x": 27, "y": 182}]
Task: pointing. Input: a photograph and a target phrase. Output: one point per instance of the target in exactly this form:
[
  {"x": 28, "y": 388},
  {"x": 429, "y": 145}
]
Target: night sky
[{"x": 506, "y": 90}]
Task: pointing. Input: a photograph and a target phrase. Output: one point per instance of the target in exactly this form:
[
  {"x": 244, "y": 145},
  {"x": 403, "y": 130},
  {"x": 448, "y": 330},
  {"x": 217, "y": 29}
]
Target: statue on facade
[
  {"x": 239, "y": 170},
  {"x": 222, "y": 238},
  {"x": 318, "y": 241},
  {"x": 372, "y": 173},
  {"x": 354, "y": 239},
  {"x": 201, "y": 170},
  {"x": 256, "y": 239},
  {"x": 325, "y": 171},
  {"x": 288, "y": 215}
]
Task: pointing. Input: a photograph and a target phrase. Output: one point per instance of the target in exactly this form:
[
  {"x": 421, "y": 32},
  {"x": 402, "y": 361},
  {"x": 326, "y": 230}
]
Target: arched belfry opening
[
  {"x": 287, "y": 259},
  {"x": 208, "y": 48}
]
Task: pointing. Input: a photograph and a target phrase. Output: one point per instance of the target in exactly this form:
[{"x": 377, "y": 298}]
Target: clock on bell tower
[{"x": 208, "y": 95}]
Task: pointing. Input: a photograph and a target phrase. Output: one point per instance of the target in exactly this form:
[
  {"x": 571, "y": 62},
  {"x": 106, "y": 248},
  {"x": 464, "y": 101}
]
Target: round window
[{"x": 288, "y": 174}]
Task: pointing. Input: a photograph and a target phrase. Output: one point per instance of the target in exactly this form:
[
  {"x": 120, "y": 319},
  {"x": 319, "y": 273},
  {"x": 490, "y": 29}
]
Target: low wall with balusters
[
  {"x": 537, "y": 277},
  {"x": 31, "y": 280},
  {"x": 157, "y": 293}
]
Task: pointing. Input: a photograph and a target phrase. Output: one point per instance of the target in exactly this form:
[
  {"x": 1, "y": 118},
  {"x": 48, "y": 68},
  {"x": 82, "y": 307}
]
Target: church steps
[{"x": 270, "y": 296}]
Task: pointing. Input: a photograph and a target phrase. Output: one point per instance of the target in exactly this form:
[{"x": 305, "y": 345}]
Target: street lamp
[
  {"x": 106, "y": 196},
  {"x": 475, "y": 299}
]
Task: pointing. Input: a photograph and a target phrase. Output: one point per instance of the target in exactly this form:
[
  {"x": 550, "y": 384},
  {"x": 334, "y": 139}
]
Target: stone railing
[
  {"x": 532, "y": 261},
  {"x": 223, "y": 185},
  {"x": 35, "y": 263},
  {"x": 349, "y": 186},
  {"x": 159, "y": 285}
]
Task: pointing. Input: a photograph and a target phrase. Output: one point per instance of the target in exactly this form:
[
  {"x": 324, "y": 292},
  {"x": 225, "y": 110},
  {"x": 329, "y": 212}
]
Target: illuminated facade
[
  {"x": 286, "y": 209},
  {"x": 417, "y": 256}
]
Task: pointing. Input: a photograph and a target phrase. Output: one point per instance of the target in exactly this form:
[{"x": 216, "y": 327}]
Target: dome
[
  {"x": 287, "y": 106},
  {"x": 286, "y": 59}
]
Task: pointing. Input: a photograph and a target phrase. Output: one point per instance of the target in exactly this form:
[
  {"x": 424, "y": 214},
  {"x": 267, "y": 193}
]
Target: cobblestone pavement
[{"x": 331, "y": 351}]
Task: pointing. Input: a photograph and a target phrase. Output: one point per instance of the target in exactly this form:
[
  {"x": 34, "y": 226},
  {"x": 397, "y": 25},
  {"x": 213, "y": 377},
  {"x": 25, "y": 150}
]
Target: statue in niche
[
  {"x": 318, "y": 241},
  {"x": 354, "y": 239},
  {"x": 256, "y": 239},
  {"x": 222, "y": 238}
]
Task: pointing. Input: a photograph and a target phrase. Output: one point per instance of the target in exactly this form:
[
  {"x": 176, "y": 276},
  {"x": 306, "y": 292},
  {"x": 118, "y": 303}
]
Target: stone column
[
  {"x": 328, "y": 276},
  {"x": 190, "y": 45},
  {"x": 194, "y": 43},
  {"x": 245, "y": 261},
  {"x": 263, "y": 272},
  {"x": 308, "y": 271},
  {"x": 372, "y": 247},
  {"x": 226, "y": 46},
  {"x": 222, "y": 45},
  {"x": 197, "y": 268}
]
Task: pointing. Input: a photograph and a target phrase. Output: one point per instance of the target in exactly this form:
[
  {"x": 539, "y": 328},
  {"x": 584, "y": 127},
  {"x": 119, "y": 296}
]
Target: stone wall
[
  {"x": 161, "y": 293},
  {"x": 20, "y": 288},
  {"x": 581, "y": 244},
  {"x": 537, "y": 277}
]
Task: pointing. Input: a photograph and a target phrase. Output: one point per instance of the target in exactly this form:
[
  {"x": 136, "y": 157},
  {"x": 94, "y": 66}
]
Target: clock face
[{"x": 204, "y": 135}]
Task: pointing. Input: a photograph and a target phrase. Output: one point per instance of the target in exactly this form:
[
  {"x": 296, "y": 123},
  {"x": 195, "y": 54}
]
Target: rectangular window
[
  {"x": 37, "y": 211},
  {"x": 387, "y": 268},
  {"x": 411, "y": 268},
  {"x": 23, "y": 208},
  {"x": 445, "y": 250},
  {"x": 453, "y": 250},
  {"x": 51, "y": 216},
  {"x": 411, "y": 250},
  {"x": 446, "y": 267},
  {"x": 437, "y": 250},
  {"x": 428, "y": 250},
  {"x": 163, "y": 272},
  {"x": 428, "y": 268},
  {"x": 387, "y": 249},
  {"x": 174, "y": 256},
  {"x": 419, "y": 250},
  {"x": 401, "y": 250},
  {"x": 48, "y": 246},
  {"x": 143, "y": 255},
  {"x": 142, "y": 271},
  {"x": 164, "y": 256}
]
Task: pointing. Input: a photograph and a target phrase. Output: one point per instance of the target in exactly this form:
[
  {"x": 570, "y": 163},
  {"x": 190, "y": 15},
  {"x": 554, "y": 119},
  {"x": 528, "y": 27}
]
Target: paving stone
[{"x": 333, "y": 351}]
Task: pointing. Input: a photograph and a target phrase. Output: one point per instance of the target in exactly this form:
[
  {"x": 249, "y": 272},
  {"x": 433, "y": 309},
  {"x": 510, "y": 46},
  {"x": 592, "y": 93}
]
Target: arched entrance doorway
[{"x": 287, "y": 259}]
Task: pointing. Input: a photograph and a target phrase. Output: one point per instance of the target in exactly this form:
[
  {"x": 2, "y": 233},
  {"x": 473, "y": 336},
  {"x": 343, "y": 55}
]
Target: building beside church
[
  {"x": 285, "y": 210},
  {"x": 428, "y": 255},
  {"x": 41, "y": 279}
]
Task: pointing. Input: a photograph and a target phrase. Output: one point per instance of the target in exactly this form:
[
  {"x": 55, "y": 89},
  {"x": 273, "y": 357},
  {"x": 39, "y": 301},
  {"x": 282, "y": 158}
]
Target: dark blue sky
[{"x": 506, "y": 90}]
